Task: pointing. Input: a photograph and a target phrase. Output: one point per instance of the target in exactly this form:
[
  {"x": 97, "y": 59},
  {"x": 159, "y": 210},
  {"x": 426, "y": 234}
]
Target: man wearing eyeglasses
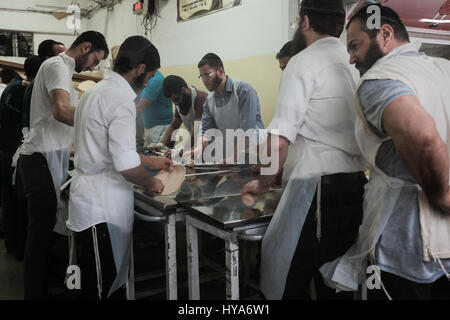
[
  {"x": 44, "y": 159},
  {"x": 232, "y": 103}
]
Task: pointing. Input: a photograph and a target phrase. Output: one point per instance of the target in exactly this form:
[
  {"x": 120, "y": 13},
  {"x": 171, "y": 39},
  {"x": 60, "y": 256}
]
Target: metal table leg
[
  {"x": 171, "y": 257},
  {"x": 192, "y": 260},
  {"x": 232, "y": 267},
  {"x": 130, "y": 288}
]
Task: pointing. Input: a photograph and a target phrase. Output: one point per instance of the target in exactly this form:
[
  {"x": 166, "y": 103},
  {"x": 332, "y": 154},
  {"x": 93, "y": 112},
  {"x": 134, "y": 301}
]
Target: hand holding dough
[{"x": 172, "y": 180}]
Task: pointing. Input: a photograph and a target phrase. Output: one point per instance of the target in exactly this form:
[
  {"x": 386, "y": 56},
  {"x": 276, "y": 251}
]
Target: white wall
[
  {"x": 43, "y": 26},
  {"x": 255, "y": 27}
]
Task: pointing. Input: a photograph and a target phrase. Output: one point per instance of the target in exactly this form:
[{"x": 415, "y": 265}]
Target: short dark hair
[
  {"x": 136, "y": 50},
  {"x": 212, "y": 60},
  {"x": 173, "y": 85},
  {"x": 388, "y": 16},
  {"x": 46, "y": 48},
  {"x": 285, "y": 51},
  {"x": 325, "y": 16},
  {"x": 31, "y": 66},
  {"x": 97, "y": 40},
  {"x": 7, "y": 74}
]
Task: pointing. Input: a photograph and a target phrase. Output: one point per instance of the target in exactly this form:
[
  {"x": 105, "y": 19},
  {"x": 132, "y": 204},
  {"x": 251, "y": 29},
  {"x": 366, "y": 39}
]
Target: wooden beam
[{"x": 78, "y": 77}]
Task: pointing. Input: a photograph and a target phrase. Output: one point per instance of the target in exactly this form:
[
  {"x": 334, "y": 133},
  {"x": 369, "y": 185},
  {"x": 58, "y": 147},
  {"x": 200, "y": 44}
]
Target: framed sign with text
[{"x": 190, "y": 9}]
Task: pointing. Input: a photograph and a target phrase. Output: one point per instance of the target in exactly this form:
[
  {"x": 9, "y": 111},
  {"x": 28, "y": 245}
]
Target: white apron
[
  {"x": 188, "y": 120},
  {"x": 57, "y": 144},
  {"x": 310, "y": 160},
  {"x": 382, "y": 191},
  {"x": 109, "y": 195}
]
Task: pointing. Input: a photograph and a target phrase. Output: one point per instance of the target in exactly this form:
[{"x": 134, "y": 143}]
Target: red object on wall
[
  {"x": 445, "y": 9},
  {"x": 412, "y": 11}
]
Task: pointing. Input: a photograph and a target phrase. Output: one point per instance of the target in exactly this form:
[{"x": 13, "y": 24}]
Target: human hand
[
  {"x": 155, "y": 187},
  {"x": 255, "y": 187},
  {"x": 163, "y": 163}
]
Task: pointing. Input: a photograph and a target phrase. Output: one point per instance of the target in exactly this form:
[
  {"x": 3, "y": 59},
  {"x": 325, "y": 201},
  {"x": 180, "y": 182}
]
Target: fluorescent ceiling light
[{"x": 434, "y": 21}]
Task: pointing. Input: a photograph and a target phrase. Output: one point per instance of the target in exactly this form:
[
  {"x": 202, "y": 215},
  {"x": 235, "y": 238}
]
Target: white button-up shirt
[
  {"x": 105, "y": 141},
  {"x": 315, "y": 102}
]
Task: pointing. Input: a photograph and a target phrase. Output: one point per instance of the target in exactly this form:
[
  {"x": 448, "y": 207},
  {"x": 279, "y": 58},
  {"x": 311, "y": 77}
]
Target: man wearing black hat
[{"x": 318, "y": 216}]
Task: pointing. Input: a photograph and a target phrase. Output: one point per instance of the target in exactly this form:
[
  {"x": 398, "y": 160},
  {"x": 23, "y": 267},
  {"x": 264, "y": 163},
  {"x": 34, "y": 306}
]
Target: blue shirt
[
  {"x": 399, "y": 249},
  {"x": 248, "y": 106},
  {"x": 160, "y": 111}
]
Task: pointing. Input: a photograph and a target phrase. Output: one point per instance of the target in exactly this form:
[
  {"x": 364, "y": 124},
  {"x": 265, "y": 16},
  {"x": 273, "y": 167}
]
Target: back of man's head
[
  {"x": 136, "y": 50},
  {"x": 97, "y": 40},
  {"x": 285, "y": 51},
  {"x": 212, "y": 60},
  {"x": 8, "y": 74},
  {"x": 31, "y": 66},
  {"x": 388, "y": 16},
  {"x": 46, "y": 49},
  {"x": 326, "y": 17},
  {"x": 173, "y": 85}
]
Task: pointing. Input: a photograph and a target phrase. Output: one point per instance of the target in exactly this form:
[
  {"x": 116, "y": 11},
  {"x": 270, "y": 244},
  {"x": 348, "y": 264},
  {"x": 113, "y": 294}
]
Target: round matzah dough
[{"x": 172, "y": 181}]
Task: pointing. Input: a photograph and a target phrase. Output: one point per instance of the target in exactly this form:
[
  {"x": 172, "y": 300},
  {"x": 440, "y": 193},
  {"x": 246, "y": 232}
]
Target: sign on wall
[{"x": 190, "y": 9}]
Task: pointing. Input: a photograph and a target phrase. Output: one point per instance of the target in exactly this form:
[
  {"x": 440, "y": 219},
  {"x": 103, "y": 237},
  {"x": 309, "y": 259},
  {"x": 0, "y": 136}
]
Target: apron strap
[
  {"x": 72, "y": 252},
  {"x": 98, "y": 266},
  {"x": 372, "y": 262},
  {"x": 319, "y": 210}
]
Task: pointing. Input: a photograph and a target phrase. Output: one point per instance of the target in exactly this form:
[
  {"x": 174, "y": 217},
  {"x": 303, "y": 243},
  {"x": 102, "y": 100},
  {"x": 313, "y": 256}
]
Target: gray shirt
[
  {"x": 399, "y": 249},
  {"x": 248, "y": 108}
]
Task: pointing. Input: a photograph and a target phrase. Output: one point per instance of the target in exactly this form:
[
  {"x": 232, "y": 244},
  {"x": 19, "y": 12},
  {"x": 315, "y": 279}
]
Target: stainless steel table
[
  {"x": 212, "y": 199},
  {"x": 230, "y": 218},
  {"x": 166, "y": 211}
]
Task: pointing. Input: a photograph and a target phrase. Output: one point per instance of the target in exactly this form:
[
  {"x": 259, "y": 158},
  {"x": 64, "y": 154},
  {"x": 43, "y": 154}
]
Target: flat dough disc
[
  {"x": 172, "y": 180},
  {"x": 86, "y": 85}
]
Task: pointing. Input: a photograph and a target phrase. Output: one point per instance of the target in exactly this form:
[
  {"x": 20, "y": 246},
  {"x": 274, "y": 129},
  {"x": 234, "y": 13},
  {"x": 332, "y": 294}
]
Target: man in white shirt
[
  {"x": 319, "y": 213},
  {"x": 44, "y": 159},
  {"x": 106, "y": 165}
]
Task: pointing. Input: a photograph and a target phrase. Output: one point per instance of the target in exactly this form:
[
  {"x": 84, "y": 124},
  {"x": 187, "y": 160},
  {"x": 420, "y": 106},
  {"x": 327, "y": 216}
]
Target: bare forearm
[
  {"x": 277, "y": 153},
  {"x": 138, "y": 176},
  {"x": 65, "y": 114},
  {"x": 429, "y": 164},
  {"x": 168, "y": 134},
  {"x": 148, "y": 161}
]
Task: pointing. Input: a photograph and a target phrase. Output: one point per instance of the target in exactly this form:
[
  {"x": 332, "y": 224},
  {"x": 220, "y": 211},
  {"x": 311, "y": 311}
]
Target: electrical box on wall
[{"x": 138, "y": 7}]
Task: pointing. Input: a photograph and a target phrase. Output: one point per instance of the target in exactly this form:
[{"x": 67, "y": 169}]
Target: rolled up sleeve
[
  {"x": 294, "y": 93},
  {"x": 122, "y": 139}
]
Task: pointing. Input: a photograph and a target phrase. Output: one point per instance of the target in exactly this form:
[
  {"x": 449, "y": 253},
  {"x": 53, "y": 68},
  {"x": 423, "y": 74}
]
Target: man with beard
[
  {"x": 402, "y": 101},
  {"x": 320, "y": 211},
  {"x": 44, "y": 158},
  {"x": 231, "y": 104},
  {"x": 106, "y": 166},
  {"x": 188, "y": 108}
]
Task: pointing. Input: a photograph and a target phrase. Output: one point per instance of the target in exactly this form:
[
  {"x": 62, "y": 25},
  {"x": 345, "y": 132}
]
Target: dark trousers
[
  {"x": 402, "y": 289},
  {"x": 341, "y": 215},
  {"x": 22, "y": 218},
  {"x": 86, "y": 262},
  {"x": 14, "y": 209},
  {"x": 8, "y": 203},
  {"x": 41, "y": 208}
]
